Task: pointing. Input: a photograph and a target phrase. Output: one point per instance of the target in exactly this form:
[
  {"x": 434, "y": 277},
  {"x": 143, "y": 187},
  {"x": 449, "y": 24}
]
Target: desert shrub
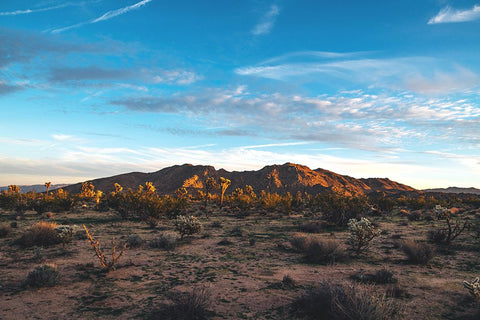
[
  {"x": 362, "y": 232},
  {"x": 237, "y": 232},
  {"x": 319, "y": 250},
  {"x": 187, "y": 225},
  {"x": 193, "y": 305},
  {"x": 166, "y": 240},
  {"x": 288, "y": 282},
  {"x": 300, "y": 242},
  {"x": 339, "y": 209},
  {"x": 4, "y": 231},
  {"x": 415, "y": 215},
  {"x": 134, "y": 241},
  {"x": 40, "y": 234},
  {"x": 382, "y": 276},
  {"x": 346, "y": 301},
  {"x": 448, "y": 228},
  {"x": 418, "y": 252},
  {"x": 43, "y": 276},
  {"x": 312, "y": 227},
  {"x": 216, "y": 224}
]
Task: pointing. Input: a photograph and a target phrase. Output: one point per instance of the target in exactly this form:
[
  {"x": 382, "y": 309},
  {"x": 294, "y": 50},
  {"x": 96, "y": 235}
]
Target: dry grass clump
[
  {"x": 166, "y": 240},
  {"x": 134, "y": 241},
  {"x": 319, "y": 250},
  {"x": 418, "y": 252},
  {"x": 346, "y": 301},
  {"x": 382, "y": 276},
  {"x": 4, "y": 231},
  {"x": 40, "y": 234},
  {"x": 312, "y": 227},
  {"x": 193, "y": 305},
  {"x": 43, "y": 276}
]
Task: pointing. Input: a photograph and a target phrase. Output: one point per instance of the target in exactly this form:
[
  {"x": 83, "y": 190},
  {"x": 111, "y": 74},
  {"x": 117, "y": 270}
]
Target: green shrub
[
  {"x": 187, "y": 225},
  {"x": 43, "y": 276}
]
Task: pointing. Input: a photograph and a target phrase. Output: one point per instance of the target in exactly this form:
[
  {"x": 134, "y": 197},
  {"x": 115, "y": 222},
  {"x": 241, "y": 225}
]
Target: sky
[{"x": 94, "y": 88}]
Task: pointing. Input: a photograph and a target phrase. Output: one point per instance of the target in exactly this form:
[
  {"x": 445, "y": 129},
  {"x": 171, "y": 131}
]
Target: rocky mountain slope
[{"x": 288, "y": 177}]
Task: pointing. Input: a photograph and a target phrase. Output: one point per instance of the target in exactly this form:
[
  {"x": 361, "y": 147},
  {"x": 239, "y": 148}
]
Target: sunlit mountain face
[{"x": 95, "y": 88}]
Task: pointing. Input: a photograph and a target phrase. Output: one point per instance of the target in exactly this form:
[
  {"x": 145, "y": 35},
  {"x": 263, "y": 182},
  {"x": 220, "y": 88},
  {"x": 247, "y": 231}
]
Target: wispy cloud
[
  {"x": 449, "y": 15},
  {"x": 267, "y": 22},
  {"x": 355, "y": 120},
  {"x": 28, "y": 11},
  {"x": 425, "y": 75},
  {"x": 106, "y": 16}
]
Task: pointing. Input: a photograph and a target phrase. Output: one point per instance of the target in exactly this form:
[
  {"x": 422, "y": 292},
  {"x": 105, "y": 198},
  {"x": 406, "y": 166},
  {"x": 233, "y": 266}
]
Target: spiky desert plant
[
  {"x": 104, "y": 261},
  {"x": 224, "y": 183},
  {"x": 473, "y": 287},
  {"x": 361, "y": 233},
  {"x": 187, "y": 225}
]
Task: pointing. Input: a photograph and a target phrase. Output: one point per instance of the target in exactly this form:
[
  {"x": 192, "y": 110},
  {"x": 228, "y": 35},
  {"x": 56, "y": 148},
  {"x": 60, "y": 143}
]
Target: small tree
[
  {"x": 361, "y": 233},
  {"x": 224, "y": 183}
]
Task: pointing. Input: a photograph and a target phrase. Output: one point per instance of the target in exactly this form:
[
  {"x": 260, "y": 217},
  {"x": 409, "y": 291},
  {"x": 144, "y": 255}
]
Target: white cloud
[
  {"x": 106, "y": 16},
  {"x": 114, "y": 13},
  {"x": 28, "y": 11},
  {"x": 448, "y": 15},
  {"x": 267, "y": 22}
]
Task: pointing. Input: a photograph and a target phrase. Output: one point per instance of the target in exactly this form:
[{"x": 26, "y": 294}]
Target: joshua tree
[
  {"x": 48, "y": 185},
  {"x": 210, "y": 185},
  {"x": 13, "y": 188},
  {"x": 118, "y": 188},
  {"x": 224, "y": 183}
]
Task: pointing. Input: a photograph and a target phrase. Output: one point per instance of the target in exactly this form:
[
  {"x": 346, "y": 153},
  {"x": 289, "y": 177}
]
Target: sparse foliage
[{"x": 108, "y": 264}]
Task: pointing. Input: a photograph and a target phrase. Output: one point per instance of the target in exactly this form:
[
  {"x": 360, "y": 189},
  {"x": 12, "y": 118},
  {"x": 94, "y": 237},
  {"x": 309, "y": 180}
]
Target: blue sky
[{"x": 94, "y": 88}]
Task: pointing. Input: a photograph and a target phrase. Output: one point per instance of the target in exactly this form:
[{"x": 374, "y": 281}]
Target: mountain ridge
[{"x": 288, "y": 177}]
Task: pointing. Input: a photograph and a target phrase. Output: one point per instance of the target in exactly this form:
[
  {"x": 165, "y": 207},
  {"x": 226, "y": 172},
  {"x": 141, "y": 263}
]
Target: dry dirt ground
[{"x": 243, "y": 276}]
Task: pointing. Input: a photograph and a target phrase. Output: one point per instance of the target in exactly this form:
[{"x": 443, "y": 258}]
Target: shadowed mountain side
[{"x": 288, "y": 177}]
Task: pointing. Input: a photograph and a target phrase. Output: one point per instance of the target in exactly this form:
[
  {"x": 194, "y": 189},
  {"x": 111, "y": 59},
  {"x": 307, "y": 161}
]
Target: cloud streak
[
  {"x": 267, "y": 22},
  {"x": 28, "y": 11},
  {"x": 106, "y": 16},
  {"x": 450, "y": 15}
]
